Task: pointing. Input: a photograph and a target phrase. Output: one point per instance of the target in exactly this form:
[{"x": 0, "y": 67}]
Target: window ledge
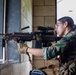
[{"x": 4, "y": 65}]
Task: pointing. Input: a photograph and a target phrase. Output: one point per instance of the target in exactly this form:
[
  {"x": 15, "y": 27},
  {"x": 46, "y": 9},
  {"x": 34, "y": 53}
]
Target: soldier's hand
[{"x": 22, "y": 48}]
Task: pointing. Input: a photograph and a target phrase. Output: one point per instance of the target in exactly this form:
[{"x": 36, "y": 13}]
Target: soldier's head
[{"x": 64, "y": 25}]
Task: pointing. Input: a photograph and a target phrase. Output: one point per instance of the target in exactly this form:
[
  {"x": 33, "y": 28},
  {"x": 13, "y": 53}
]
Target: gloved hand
[{"x": 22, "y": 48}]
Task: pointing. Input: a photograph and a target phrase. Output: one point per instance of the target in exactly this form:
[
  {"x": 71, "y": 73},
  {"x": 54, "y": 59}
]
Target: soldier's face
[{"x": 60, "y": 29}]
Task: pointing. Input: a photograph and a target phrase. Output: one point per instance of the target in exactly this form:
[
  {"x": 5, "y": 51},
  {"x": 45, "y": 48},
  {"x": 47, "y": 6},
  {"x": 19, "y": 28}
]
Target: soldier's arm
[{"x": 55, "y": 49}]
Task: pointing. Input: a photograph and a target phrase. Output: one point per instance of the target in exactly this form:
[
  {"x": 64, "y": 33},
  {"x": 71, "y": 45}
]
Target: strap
[
  {"x": 30, "y": 59},
  {"x": 45, "y": 67},
  {"x": 49, "y": 67}
]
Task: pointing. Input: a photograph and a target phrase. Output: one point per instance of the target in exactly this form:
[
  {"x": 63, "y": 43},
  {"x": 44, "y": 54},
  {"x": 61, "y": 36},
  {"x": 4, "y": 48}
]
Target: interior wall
[
  {"x": 44, "y": 15},
  {"x": 26, "y": 20}
]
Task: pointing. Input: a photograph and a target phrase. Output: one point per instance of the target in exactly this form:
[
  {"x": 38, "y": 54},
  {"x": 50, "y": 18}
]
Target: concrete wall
[{"x": 44, "y": 15}]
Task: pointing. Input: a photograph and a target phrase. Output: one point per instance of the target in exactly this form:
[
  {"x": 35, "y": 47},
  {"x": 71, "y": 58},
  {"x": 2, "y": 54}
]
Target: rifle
[{"x": 42, "y": 37}]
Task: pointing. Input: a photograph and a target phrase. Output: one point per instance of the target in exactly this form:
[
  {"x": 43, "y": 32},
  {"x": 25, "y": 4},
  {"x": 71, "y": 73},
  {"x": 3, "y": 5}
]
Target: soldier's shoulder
[{"x": 72, "y": 33}]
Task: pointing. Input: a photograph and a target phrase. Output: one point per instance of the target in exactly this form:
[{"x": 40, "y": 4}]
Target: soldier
[{"x": 65, "y": 47}]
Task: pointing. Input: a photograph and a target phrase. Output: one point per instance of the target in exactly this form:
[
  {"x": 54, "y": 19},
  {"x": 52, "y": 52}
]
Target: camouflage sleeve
[
  {"x": 54, "y": 50},
  {"x": 58, "y": 47}
]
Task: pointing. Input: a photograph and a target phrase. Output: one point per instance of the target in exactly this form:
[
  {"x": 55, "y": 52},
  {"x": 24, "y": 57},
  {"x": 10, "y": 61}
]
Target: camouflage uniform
[{"x": 66, "y": 48}]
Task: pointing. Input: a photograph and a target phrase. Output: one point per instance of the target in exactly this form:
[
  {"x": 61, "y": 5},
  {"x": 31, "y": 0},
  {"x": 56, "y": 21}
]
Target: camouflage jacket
[{"x": 65, "y": 47}]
